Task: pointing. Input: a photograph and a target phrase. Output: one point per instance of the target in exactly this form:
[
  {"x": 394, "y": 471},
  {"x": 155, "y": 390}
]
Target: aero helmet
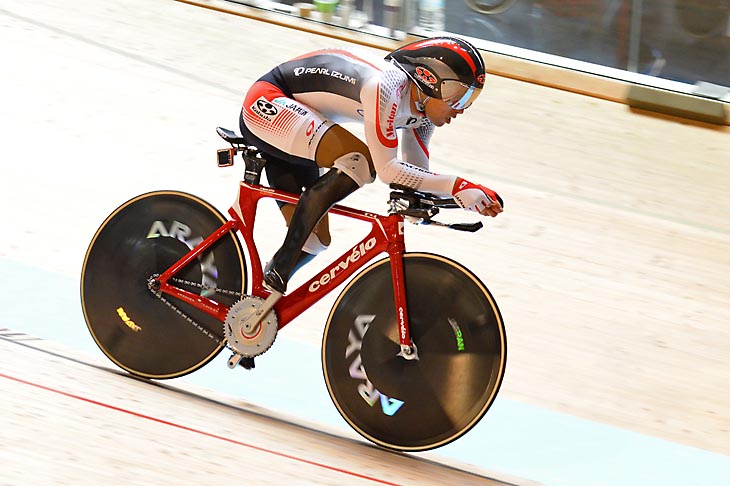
[{"x": 447, "y": 68}]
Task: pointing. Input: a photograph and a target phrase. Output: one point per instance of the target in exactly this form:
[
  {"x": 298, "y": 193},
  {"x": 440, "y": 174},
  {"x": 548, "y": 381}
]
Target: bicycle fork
[{"x": 408, "y": 348}]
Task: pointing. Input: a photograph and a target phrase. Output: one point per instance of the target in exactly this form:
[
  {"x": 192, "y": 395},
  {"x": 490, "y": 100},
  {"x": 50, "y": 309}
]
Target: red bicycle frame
[{"x": 386, "y": 235}]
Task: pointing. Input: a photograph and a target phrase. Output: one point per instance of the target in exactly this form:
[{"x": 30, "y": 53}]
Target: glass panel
[
  {"x": 681, "y": 40},
  {"x": 686, "y": 41}
]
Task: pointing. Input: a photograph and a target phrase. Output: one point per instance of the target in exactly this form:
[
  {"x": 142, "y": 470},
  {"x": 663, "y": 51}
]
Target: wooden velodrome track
[{"x": 610, "y": 263}]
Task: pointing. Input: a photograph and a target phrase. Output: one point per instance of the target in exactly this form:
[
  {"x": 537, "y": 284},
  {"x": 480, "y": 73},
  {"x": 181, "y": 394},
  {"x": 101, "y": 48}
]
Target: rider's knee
[{"x": 357, "y": 166}]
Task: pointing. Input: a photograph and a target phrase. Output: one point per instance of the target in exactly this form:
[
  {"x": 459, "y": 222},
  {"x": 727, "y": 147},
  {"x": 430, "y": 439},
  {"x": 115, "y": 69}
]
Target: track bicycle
[{"x": 413, "y": 350}]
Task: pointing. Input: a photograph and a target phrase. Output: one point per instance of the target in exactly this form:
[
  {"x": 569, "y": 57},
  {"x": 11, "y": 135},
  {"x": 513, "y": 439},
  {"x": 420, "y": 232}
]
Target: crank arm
[{"x": 254, "y": 319}]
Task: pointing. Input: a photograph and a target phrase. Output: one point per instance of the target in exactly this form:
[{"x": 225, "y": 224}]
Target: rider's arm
[
  {"x": 380, "y": 102},
  {"x": 414, "y": 143}
]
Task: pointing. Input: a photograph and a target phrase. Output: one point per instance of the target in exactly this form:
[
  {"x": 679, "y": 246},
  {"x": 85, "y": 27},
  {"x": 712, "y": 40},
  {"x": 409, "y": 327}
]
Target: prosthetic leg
[{"x": 313, "y": 204}]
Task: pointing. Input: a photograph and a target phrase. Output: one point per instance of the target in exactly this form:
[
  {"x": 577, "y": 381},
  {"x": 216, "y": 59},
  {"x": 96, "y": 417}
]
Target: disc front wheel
[{"x": 420, "y": 404}]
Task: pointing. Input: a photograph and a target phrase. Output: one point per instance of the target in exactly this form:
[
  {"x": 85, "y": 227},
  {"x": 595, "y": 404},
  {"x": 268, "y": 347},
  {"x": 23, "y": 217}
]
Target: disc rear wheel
[{"x": 133, "y": 327}]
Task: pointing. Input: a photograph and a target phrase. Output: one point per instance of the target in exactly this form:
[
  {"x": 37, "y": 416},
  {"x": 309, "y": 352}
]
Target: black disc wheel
[
  {"x": 424, "y": 403},
  {"x": 146, "y": 235}
]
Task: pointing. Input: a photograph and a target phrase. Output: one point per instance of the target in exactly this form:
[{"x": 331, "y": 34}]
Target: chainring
[{"x": 256, "y": 340}]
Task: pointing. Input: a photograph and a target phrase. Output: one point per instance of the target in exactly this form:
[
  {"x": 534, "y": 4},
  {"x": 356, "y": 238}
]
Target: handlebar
[{"x": 421, "y": 207}]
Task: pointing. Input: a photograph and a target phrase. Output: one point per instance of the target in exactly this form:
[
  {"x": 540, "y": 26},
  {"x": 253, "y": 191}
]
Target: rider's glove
[{"x": 475, "y": 197}]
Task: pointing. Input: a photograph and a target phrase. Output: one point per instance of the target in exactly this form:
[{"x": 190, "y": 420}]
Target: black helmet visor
[{"x": 457, "y": 94}]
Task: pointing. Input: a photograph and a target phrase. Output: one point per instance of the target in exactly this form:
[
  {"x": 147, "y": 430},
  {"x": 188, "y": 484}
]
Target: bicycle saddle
[{"x": 230, "y": 136}]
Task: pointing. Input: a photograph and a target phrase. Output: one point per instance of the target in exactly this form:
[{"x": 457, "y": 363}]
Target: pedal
[{"x": 247, "y": 363}]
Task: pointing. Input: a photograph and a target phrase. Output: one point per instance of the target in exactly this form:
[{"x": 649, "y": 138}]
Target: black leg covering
[{"x": 313, "y": 205}]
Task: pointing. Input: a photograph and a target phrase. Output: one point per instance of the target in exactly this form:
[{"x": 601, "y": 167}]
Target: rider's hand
[{"x": 475, "y": 197}]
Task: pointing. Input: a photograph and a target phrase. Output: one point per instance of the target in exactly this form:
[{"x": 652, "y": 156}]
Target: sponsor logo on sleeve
[{"x": 390, "y": 122}]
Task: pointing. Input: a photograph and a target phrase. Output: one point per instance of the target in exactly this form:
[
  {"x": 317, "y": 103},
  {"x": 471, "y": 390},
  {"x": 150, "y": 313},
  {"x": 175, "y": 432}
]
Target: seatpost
[{"x": 254, "y": 165}]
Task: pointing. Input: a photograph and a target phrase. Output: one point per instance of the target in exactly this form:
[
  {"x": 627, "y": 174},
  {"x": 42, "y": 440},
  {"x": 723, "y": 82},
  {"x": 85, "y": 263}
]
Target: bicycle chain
[{"x": 152, "y": 281}]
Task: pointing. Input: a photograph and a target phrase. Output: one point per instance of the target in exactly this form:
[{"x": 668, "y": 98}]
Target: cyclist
[{"x": 292, "y": 115}]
